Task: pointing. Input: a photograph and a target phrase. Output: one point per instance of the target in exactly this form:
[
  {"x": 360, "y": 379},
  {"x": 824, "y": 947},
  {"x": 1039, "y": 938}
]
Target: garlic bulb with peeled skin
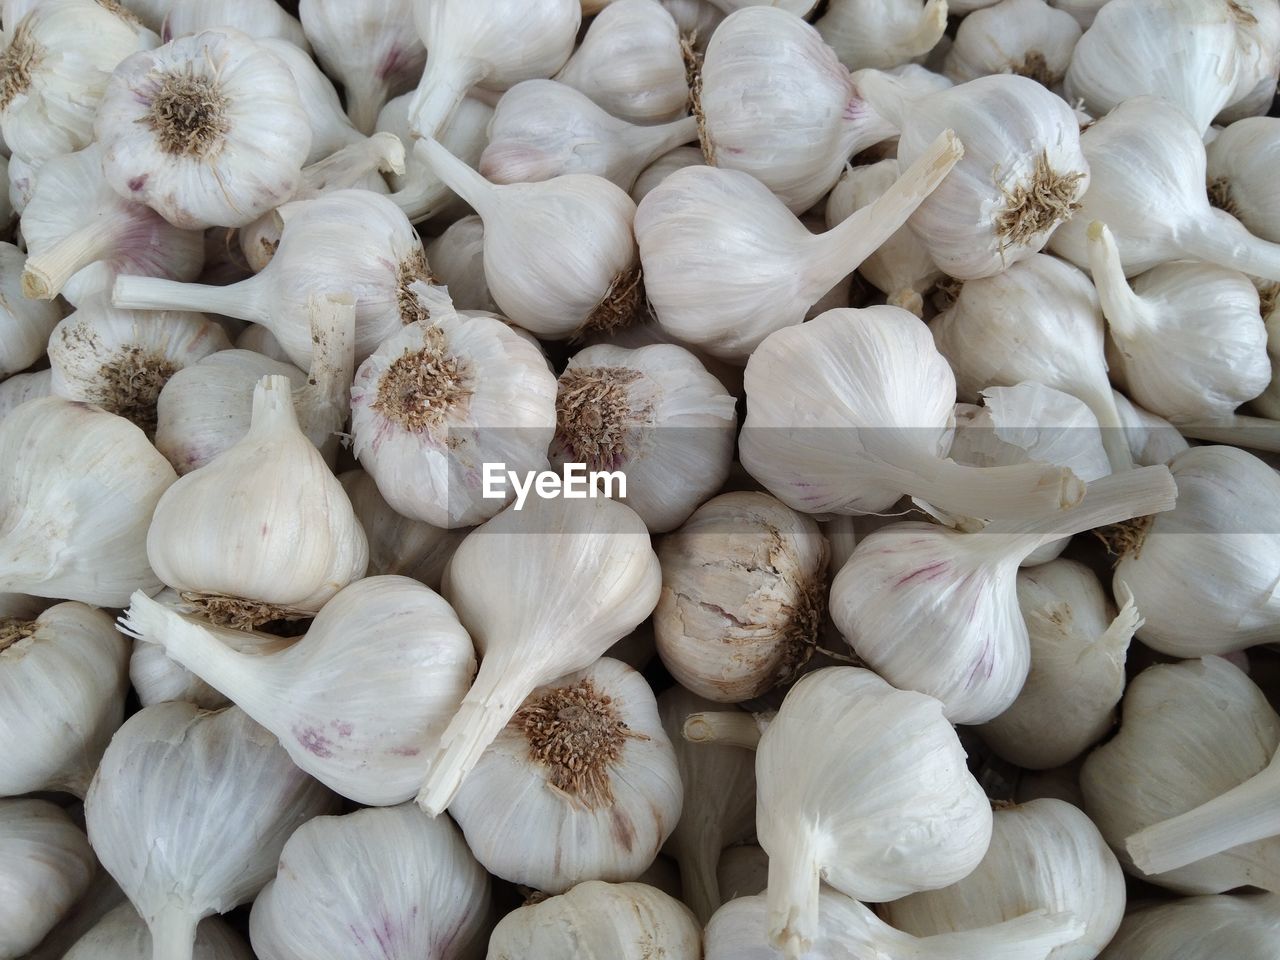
[
  {"x": 1243, "y": 927},
  {"x": 45, "y": 865},
  {"x": 577, "y": 576},
  {"x": 207, "y": 130},
  {"x": 75, "y": 219},
  {"x": 78, "y": 487},
  {"x": 216, "y": 794},
  {"x": 726, "y": 264},
  {"x": 1079, "y": 643},
  {"x": 1240, "y": 163},
  {"x": 63, "y": 680},
  {"x": 263, "y": 530},
  {"x": 123, "y": 935},
  {"x": 410, "y": 887},
  {"x": 882, "y": 33},
  {"x": 457, "y": 263},
  {"x": 630, "y": 63},
  {"x": 259, "y": 19},
  {"x": 1026, "y": 37},
  {"x": 491, "y": 43},
  {"x": 25, "y": 324}
]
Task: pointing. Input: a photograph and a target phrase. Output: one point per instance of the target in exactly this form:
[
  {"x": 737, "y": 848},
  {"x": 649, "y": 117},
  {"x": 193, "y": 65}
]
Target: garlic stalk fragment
[
  {"x": 1026, "y": 37},
  {"x": 419, "y": 193},
  {"x": 123, "y": 935},
  {"x": 883, "y": 33},
  {"x": 732, "y": 728},
  {"x": 25, "y": 324},
  {"x": 1243, "y": 927}
]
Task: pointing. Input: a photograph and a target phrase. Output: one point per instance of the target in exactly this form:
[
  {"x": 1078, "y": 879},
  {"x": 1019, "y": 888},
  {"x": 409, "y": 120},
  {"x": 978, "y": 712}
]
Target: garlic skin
[
  {"x": 21, "y": 180},
  {"x": 696, "y": 18},
  {"x": 25, "y": 324},
  {"x": 726, "y": 264},
  {"x": 58, "y": 62},
  {"x": 77, "y": 489},
  {"x": 457, "y": 263},
  {"x": 235, "y": 153},
  {"x": 630, "y": 63},
  {"x": 743, "y": 595},
  {"x": 331, "y": 128},
  {"x": 1079, "y": 644},
  {"x": 1188, "y": 339},
  {"x": 1258, "y": 35},
  {"x": 441, "y": 398},
  {"x": 491, "y": 43},
  {"x": 1244, "y": 927},
  {"x": 883, "y": 33},
  {"x": 22, "y": 387},
  {"x": 172, "y": 780},
  {"x": 1045, "y": 854},
  {"x": 418, "y": 192},
  {"x": 1151, "y": 439},
  {"x": 259, "y": 19},
  {"x": 410, "y": 887},
  {"x": 743, "y": 872},
  {"x": 102, "y": 896},
  {"x": 45, "y": 865},
  {"x": 663, "y": 167},
  {"x": 291, "y": 542},
  {"x": 1239, "y": 164},
  {"x": 653, "y": 414},
  {"x": 1191, "y": 731},
  {"x": 63, "y": 678},
  {"x": 1026, "y": 37},
  {"x": 1084, "y": 11},
  {"x": 622, "y": 921},
  {"x": 123, "y": 935}
]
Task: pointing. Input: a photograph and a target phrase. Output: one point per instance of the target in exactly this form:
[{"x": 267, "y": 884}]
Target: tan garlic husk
[
  {"x": 25, "y": 324},
  {"x": 123, "y": 935},
  {"x": 1242, "y": 927},
  {"x": 1026, "y": 37}
]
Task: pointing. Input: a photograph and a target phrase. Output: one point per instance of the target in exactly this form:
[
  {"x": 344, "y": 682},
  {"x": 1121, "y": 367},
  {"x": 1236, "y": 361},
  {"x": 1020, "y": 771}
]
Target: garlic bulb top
[
  {"x": 1243, "y": 927},
  {"x": 622, "y": 921},
  {"x": 25, "y": 324},
  {"x": 726, "y": 264},
  {"x": 1240, "y": 163},
  {"x": 864, "y": 787},
  {"x": 263, "y": 530},
  {"x": 1026, "y": 37},
  {"x": 189, "y": 811},
  {"x": 410, "y": 888},
  {"x": 260, "y": 19},
  {"x": 578, "y": 576},
  {"x": 78, "y": 487},
  {"x": 884, "y": 33},
  {"x": 493, "y": 43},
  {"x": 123, "y": 935}
]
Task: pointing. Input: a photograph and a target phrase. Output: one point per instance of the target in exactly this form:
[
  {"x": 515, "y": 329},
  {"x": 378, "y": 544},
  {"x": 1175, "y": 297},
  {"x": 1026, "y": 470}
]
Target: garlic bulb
[
  {"x": 74, "y": 219},
  {"x": 22, "y": 176},
  {"x": 410, "y": 887},
  {"x": 189, "y": 811},
  {"x": 1151, "y": 439},
  {"x": 630, "y": 63},
  {"x": 344, "y": 242},
  {"x": 1147, "y": 166},
  {"x": 1258, "y": 34},
  {"x": 726, "y": 264},
  {"x": 697, "y": 19},
  {"x": 207, "y": 130},
  {"x": 1200, "y": 928},
  {"x": 1084, "y": 11},
  {"x": 45, "y": 864},
  {"x": 621, "y": 921},
  {"x": 123, "y": 935},
  {"x": 102, "y": 897},
  {"x": 875, "y": 424},
  {"x": 64, "y": 676},
  {"x": 1189, "y": 342},
  {"x": 418, "y": 192},
  {"x": 457, "y": 262},
  {"x": 331, "y": 129},
  {"x": 895, "y": 601},
  {"x": 259, "y": 19},
  {"x": 1026, "y": 37},
  {"x": 441, "y": 399},
  {"x": 1078, "y": 648},
  {"x": 1043, "y": 855},
  {"x": 372, "y": 49},
  {"x": 1020, "y": 179},
  {"x": 22, "y": 387},
  {"x": 1204, "y": 575},
  {"x": 581, "y": 574},
  {"x": 262, "y": 531},
  {"x": 864, "y": 787},
  {"x": 882, "y": 33},
  {"x": 1197, "y": 738},
  {"x": 743, "y": 872},
  {"x": 491, "y": 43},
  {"x": 663, "y": 167},
  {"x": 654, "y": 415},
  {"x": 55, "y": 67},
  {"x": 1240, "y": 161},
  {"x": 121, "y": 360},
  {"x": 559, "y": 256},
  {"x": 25, "y": 324},
  {"x": 77, "y": 489}
]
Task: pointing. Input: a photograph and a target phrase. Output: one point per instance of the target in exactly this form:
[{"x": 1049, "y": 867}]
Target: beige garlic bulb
[
  {"x": 1026, "y": 37},
  {"x": 25, "y": 324},
  {"x": 882, "y": 33},
  {"x": 418, "y": 192},
  {"x": 123, "y": 935},
  {"x": 457, "y": 263},
  {"x": 1243, "y": 927},
  {"x": 259, "y": 19}
]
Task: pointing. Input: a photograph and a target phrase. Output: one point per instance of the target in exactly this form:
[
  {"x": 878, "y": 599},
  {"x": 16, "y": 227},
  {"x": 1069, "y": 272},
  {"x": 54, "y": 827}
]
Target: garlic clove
[
  {"x": 1026, "y": 37},
  {"x": 123, "y": 935},
  {"x": 259, "y": 19},
  {"x": 25, "y": 324},
  {"x": 1243, "y": 927},
  {"x": 883, "y": 33}
]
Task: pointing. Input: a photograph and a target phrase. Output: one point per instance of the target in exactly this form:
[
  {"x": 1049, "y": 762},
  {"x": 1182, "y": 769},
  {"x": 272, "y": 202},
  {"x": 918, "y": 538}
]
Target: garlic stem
[
  {"x": 45, "y": 274},
  {"x": 365, "y": 94},
  {"x": 1115, "y": 442},
  {"x": 273, "y": 411},
  {"x": 443, "y": 85},
  {"x": 732, "y": 728},
  {"x": 699, "y": 882},
  {"x": 792, "y": 895},
  {"x": 423, "y": 197},
  {"x": 1015, "y": 491},
  {"x": 1110, "y": 499},
  {"x": 1239, "y": 430},
  {"x": 1127, "y": 314},
  {"x": 1223, "y": 240},
  {"x": 346, "y": 167},
  {"x": 242, "y": 300},
  {"x": 173, "y": 935},
  {"x": 1244, "y": 814},
  {"x": 659, "y": 139},
  {"x": 1030, "y": 936},
  {"x": 458, "y": 177}
]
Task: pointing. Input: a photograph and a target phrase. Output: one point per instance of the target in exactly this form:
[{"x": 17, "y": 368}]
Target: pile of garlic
[{"x": 635, "y": 479}]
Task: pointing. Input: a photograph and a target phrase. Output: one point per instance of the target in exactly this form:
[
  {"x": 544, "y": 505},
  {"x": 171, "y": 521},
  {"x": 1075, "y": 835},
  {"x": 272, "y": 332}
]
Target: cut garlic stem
[
  {"x": 1110, "y": 499},
  {"x": 792, "y": 896},
  {"x": 1244, "y": 814},
  {"x": 173, "y": 935},
  {"x": 1033, "y": 934},
  {"x": 1018, "y": 490},
  {"x": 1127, "y": 313},
  {"x": 1239, "y": 430},
  {"x": 47, "y": 273},
  {"x": 242, "y": 300},
  {"x": 732, "y": 728},
  {"x": 458, "y": 177}
]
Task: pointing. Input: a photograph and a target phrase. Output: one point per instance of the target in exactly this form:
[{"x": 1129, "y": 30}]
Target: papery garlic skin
[
  {"x": 236, "y": 154},
  {"x": 63, "y": 679},
  {"x": 102, "y": 897},
  {"x": 663, "y": 167},
  {"x": 410, "y": 888},
  {"x": 1151, "y": 439},
  {"x": 884, "y": 33},
  {"x": 457, "y": 263},
  {"x": 45, "y": 865},
  {"x": 25, "y": 324},
  {"x": 1026, "y": 37},
  {"x": 1240, "y": 162},
  {"x": 123, "y": 935},
  {"x": 259, "y": 19},
  {"x": 1244, "y": 927},
  {"x": 331, "y": 129}
]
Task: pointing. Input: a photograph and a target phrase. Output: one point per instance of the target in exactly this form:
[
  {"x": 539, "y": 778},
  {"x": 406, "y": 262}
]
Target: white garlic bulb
[
  {"x": 882, "y": 33},
  {"x": 289, "y": 543},
  {"x": 663, "y": 167},
  {"x": 1192, "y": 732},
  {"x": 1026, "y": 37},
  {"x": 1204, "y": 575},
  {"x": 21, "y": 387},
  {"x": 171, "y": 784},
  {"x": 102, "y": 897},
  {"x": 491, "y": 43},
  {"x": 418, "y": 192},
  {"x": 1079, "y": 643},
  {"x": 64, "y": 676},
  {"x": 123, "y": 935},
  {"x": 45, "y": 865},
  {"x": 78, "y": 487},
  {"x": 259, "y": 19},
  {"x": 25, "y": 324},
  {"x": 726, "y": 264},
  {"x": 1151, "y": 439},
  {"x": 410, "y": 885},
  {"x": 1243, "y": 927},
  {"x": 457, "y": 262},
  {"x": 56, "y": 65},
  {"x": 1239, "y": 165},
  {"x": 630, "y": 63},
  {"x": 577, "y": 576},
  {"x": 441, "y": 399},
  {"x": 1084, "y": 11},
  {"x": 621, "y": 921},
  {"x": 22, "y": 178},
  {"x": 697, "y": 19},
  {"x": 1258, "y": 35},
  {"x": 331, "y": 129}
]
